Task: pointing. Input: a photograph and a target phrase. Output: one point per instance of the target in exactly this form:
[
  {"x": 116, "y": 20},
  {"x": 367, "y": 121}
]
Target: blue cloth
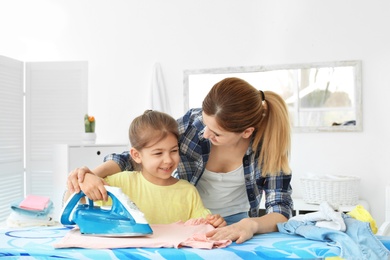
[
  {"x": 357, "y": 242},
  {"x": 194, "y": 154},
  {"x": 32, "y": 213}
]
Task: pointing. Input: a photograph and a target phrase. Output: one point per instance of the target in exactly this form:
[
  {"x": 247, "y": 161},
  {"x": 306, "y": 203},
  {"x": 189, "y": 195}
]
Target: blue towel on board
[{"x": 357, "y": 242}]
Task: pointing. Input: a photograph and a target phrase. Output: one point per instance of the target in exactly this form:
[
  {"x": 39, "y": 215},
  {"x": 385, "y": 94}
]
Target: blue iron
[{"x": 123, "y": 219}]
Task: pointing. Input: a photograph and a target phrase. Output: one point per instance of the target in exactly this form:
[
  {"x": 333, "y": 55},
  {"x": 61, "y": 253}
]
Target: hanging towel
[{"x": 158, "y": 93}]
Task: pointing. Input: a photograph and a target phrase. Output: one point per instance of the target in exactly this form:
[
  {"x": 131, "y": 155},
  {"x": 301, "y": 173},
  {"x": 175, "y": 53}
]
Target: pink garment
[
  {"x": 33, "y": 202},
  {"x": 189, "y": 234}
]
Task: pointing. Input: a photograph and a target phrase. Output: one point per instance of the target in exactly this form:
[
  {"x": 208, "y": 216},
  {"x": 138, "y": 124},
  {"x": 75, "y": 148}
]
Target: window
[{"x": 319, "y": 96}]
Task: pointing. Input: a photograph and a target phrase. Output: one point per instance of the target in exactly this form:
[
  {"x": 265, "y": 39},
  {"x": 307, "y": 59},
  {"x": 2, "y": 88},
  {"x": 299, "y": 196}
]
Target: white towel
[
  {"x": 158, "y": 94},
  {"x": 326, "y": 217},
  {"x": 17, "y": 219}
]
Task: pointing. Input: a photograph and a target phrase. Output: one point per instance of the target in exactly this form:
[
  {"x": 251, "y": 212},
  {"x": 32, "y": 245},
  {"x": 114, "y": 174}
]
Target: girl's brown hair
[
  {"x": 237, "y": 105},
  {"x": 150, "y": 128}
]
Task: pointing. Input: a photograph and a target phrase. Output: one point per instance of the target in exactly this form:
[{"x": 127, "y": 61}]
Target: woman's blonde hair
[{"x": 237, "y": 105}]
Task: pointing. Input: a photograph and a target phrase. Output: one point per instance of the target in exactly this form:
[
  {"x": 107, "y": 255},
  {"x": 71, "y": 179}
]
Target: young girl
[{"x": 155, "y": 155}]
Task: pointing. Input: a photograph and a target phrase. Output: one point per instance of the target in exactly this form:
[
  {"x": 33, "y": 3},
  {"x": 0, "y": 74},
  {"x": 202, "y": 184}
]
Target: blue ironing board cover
[{"x": 36, "y": 243}]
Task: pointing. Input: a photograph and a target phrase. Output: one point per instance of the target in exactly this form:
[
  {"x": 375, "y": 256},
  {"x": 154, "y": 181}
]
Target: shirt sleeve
[
  {"x": 198, "y": 209},
  {"x": 122, "y": 159},
  {"x": 278, "y": 194}
]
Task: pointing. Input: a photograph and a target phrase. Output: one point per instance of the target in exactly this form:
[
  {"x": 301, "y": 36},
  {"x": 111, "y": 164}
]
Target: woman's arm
[
  {"x": 76, "y": 177},
  {"x": 247, "y": 227}
]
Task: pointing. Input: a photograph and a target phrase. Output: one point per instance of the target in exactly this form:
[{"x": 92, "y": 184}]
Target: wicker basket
[{"x": 335, "y": 189}]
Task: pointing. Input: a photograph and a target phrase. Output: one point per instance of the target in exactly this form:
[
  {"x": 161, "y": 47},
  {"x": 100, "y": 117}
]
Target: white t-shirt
[{"x": 224, "y": 193}]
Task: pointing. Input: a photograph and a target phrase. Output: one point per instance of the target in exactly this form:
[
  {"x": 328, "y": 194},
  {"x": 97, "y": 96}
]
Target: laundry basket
[{"x": 335, "y": 189}]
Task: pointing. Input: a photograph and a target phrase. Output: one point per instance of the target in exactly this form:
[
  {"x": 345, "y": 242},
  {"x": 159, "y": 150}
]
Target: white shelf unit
[
  {"x": 69, "y": 157},
  {"x": 301, "y": 207}
]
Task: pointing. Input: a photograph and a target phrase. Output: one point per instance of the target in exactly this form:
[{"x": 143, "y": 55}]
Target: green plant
[{"x": 89, "y": 123}]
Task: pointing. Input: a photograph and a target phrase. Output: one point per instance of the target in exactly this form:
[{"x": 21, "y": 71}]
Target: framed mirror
[{"x": 320, "y": 96}]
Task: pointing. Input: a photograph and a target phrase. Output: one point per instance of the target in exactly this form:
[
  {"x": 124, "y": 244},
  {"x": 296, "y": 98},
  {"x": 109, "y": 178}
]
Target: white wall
[{"x": 122, "y": 39}]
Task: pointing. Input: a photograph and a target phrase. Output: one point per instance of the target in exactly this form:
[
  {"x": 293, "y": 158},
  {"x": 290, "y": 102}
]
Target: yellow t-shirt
[{"x": 160, "y": 204}]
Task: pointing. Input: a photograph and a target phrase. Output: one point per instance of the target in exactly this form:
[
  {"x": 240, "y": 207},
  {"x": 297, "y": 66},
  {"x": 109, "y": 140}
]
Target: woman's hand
[
  {"x": 93, "y": 187},
  {"x": 239, "y": 232},
  {"x": 216, "y": 220},
  {"x": 247, "y": 227}
]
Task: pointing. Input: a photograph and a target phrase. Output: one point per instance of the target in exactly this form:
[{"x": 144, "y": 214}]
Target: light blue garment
[
  {"x": 32, "y": 213},
  {"x": 357, "y": 242}
]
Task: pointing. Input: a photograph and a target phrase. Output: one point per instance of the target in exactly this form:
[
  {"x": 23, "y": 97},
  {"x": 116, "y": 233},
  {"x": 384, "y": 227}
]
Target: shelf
[{"x": 301, "y": 206}]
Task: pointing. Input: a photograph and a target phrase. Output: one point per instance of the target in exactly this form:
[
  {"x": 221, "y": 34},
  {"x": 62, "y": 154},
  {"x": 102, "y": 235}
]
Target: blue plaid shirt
[{"x": 194, "y": 154}]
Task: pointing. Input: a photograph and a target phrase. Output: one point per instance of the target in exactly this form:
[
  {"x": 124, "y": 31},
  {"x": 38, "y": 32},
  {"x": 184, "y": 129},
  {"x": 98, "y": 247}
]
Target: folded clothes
[
  {"x": 31, "y": 211},
  {"x": 15, "y": 206}
]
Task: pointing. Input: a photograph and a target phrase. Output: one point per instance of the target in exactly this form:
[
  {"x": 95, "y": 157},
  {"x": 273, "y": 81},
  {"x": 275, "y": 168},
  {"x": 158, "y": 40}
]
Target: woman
[{"x": 233, "y": 150}]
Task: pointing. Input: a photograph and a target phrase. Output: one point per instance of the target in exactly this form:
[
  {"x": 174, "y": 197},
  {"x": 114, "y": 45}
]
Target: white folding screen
[
  {"x": 56, "y": 102},
  {"x": 11, "y": 133}
]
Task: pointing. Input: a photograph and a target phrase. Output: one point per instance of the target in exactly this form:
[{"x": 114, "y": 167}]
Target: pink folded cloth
[
  {"x": 34, "y": 202},
  {"x": 180, "y": 234}
]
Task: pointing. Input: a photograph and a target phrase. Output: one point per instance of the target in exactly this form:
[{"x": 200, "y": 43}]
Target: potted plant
[{"x": 89, "y": 125}]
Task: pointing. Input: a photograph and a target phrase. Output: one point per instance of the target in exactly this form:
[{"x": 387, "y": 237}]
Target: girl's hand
[
  {"x": 93, "y": 187},
  {"x": 216, "y": 220},
  {"x": 76, "y": 177}
]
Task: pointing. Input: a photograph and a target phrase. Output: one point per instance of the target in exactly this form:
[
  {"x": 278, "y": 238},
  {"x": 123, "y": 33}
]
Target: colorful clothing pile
[{"x": 31, "y": 211}]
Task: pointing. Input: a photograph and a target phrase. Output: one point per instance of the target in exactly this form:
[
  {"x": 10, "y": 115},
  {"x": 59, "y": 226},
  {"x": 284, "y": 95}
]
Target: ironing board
[{"x": 36, "y": 243}]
